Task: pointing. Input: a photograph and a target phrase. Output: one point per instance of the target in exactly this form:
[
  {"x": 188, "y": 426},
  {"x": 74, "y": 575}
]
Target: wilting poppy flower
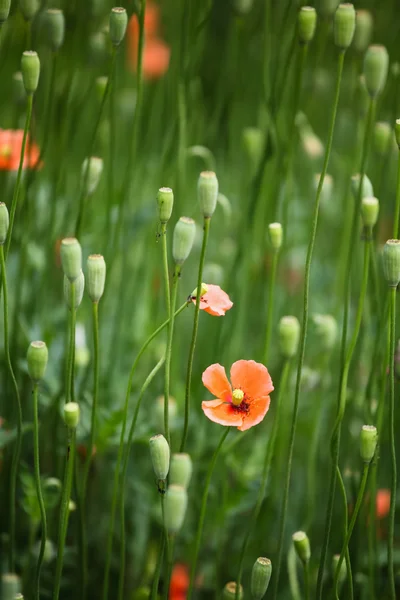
[
  {"x": 10, "y": 150},
  {"x": 382, "y": 503},
  {"x": 215, "y": 301},
  {"x": 156, "y": 52},
  {"x": 247, "y": 403},
  {"x": 179, "y": 582}
]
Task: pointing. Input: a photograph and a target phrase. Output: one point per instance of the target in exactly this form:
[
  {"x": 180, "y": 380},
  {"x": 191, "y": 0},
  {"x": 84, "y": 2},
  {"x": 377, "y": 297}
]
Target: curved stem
[
  {"x": 69, "y": 391},
  {"x": 270, "y": 309},
  {"x": 203, "y": 513},
  {"x": 305, "y": 322},
  {"x": 345, "y": 525},
  {"x": 38, "y": 491},
  {"x": 392, "y": 340},
  {"x": 207, "y": 221},
  {"x": 170, "y": 324}
]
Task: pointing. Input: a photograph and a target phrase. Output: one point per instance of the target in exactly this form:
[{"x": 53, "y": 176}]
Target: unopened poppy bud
[
  {"x": 203, "y": 290},
  {"x": 253, "y": 141},
  {"x": 307, "y": 21},
  {"x": 327, "y": 8},
  {"x": 4, "y": 10},
  {"x": 391, "y": 262},
  {"x": 30, "y": 69},
  {"x": 260, "y": 576},
  {"x": 165, "y": 201},
  {"x": 55, "y": 23},
  {"x": 92, "y": 169},
  {"x": 344, "y": 25},
  {"x": 368, "y": 442},
  {"x": 382, "y": 137},
  {"x": 181, "y": 469},
  {"x": 4, "y": 222},
  {"x": 363, "y": 32},
  {"x": 79, "y": 286},
  {"x": 275, "y": 235},
  {"x": 29, "y": 8},
  {"x": 71, "y": 414},
  {"x": 302, "y": 546},
  {"x": 118, "y": 24},
  {"x": 369, "y": 211},
  {"x": 376, "y": 64},
  {"x": 229, "y": 591},
  {"x": 367, "y": 189},
  {"x": 175, "y": 508},
  {"x": 96, "y": 269},
  {"x": 71, "y": 506},
  {"x": 71, "y": 257},
  {"x": 207, "y": 192},
  {"x": 343, "y": 569},
  {"x": 397, "y": 132},
  {"x": 289, "y": 335},
  {"x": 326, "y": 329},
  {"x": 183, "y": 239},
  {"x": 10, "y": 586},
  {"x": 159, "y": 452},
  {"x": 37, "y": 357}
]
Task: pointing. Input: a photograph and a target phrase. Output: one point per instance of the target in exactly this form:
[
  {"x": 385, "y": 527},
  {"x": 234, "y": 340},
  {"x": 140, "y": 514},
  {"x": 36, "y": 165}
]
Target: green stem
[
  {"x": 69, "y": 387},
  {"x": 345, "y": 546},
  {"x": 392, "y": 341},
  {"x": 207, "y": 221},
  {"x": 270, "y": 309},
  {"x": 17, "y": 449},
  {"x": 112, "y": 145},
  {"x": 165, "y": 268},
  {"x": 397, "y": 207},
  {"x": 306, "y": 569},
  {"x": 168, "y": 353},
  {"x": 305, "y": 321},
  {"x": 154, "y": 587},
  {"x": 170, "y": 552},
  {"x": 345, "y": 525},
  {"x": 64, "y": 508},
  {"x": 38, "y": 491},
  {"x": 203, "y": 513}
]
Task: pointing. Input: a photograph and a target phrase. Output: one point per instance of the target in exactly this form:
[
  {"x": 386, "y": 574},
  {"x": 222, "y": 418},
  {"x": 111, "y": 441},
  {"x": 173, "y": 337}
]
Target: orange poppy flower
[
  {"x": 382, "y": 503},
  {"x": 156, "y": 52},
  {"x": 244, "y": 406},
  {"x": 179, "y": 582},
  {"x": 10, "y": 150},
  {"x": 215, "y": 301}
]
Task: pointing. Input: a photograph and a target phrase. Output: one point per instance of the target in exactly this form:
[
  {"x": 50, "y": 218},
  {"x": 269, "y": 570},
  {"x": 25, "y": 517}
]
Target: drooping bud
[
  {"x": 367, "y": 189},
  {"x": 79, "y": 287},
  {"x": 30, "y": 69},
  {"x": 391, "y": 262},
  {"x": 175, "y": 508},
  {"x": 91, "y": 178},
  {"x": 382, "y": 137},
  {"x": 165, "y": 201},
  {"x": 159, "y": 452},
  {"x": 4, "y": 222},
  {"x": 229, "y": 591},
  {"x": 37, "y": 357},
  {"x": 275, "y": 235},
  {"x": 363, "y": 32},
  {"x": 207, "y": 192},
  {"x": 397, "y": 132},
  {"x": 118, "y": 24},
  {"x": 302, "y": 546},
  {"x": 29, "y": 8},
  {"x": 181, "y": 470},
  {"x": 326, "y": 328},
  {"x": 289, "y": 335},
  {"x": 96, "y": 268},
  {"x": 183, "y": 239},
  {"x": 260, "y": 577},
  {"x": 369, "y": 211},
  {"x": 71, "y": 258},
  {"x": 307, "y": 21},
  {"x": 376, "y": 64},
  {"x": 327, "y": 8},
  {"x": 4, "y": 10},
  {"x": 368, "y": 442},
  {"x": 55, "y": 23},
  {"x": 344, "y": 25},
  {"x": 71, "y": 414}
]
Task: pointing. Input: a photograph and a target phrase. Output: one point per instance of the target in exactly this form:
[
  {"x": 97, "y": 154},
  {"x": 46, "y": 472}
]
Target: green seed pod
[
  {"x": 391, "y": 262},
  {"x": 344, "y": 25},
  {"x": 367, "y": 189},
  {"x": 4, "y": 10},
  {"x": 307, "y": 21},
  {"x": 71, "y": 414},
  {"x": 369, "y": 211},
  {"x": 71, "y": 258},
  {"x": 159, "y": 452},
  {"x": 165, "y": 201},
  {"x": 302, "y": 546},
  {"x": 183, "y": 239},
  {"x": 90, "y": 180},
  {"x": 175, "y": 508},
  {"x": 55, "y": 24},
  {"x": 253, "y": 142},
  {"x": 327, "y": 8},
  {"x": 118, "y": 25},
  {"x": 289, "y": 335},
  {"x": 96, "y": 268},
  {"x": 363, "y": 32},
  {"x": 326, "y": 329},
  {"x": 29, "y": 8},
  {"x": 30, "y": 69},
  {"x": 376, "y": 64},
  {"x": 229, "y": 591},
  {"x": 181, "y": 470},
  {"x": 368, "y": 442},
  {"x": 37, "y": 357},
  {"x": 207, "y": 193},
  {"x": 382, "y": 137},
  {"x": 275, "y": 235},
  {"x": 343, "y": 569},
  {"x": 10, "y": 586},
  {"x": 260, "y": 576},
  {"x": 397, "y": 132},
  {"x": 4, "y": 223},
  {"x": 79, "y": 284}
]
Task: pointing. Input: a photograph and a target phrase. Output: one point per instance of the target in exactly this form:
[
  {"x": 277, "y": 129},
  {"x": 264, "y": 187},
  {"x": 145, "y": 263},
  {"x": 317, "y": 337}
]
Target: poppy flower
[
  {"x": 247, "y": 403},
  {"x": 382, "y": 503},
  {"x": 10, "y": 150},
  {"x": 214, "y": 301},
  {"x": 179, "y": 582}
]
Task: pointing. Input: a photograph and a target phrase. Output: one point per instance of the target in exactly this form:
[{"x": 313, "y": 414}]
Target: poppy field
[{"x": 199, "y": 338}]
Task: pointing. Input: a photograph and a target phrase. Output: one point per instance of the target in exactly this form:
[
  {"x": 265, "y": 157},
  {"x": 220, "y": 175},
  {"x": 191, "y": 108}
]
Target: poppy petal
[
  {"x": 258, "y": 410},
  {"x": 251, "y": 377},
  {"x": 222, "y": 413},
  {"x": 216, "y": 300},
  {"x": 215, "y": 380}
]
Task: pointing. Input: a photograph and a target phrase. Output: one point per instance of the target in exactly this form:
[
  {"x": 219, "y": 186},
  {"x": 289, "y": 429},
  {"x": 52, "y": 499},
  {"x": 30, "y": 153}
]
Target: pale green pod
[
  {"x": 229, "y": 591},
  {"x": 118, "y": 24},
  {"x": 326, "y": 329},
  {"x": 391, "y": 262},
  {"x": 96, "y": 276},
  {"x": 55, "y": 25},
  {"x": 92, "y": 168},
  {"x": 160, "y": 456},
  {"x": 363, "y": 32},
  {"x": 344, "y": 25},
  {"x": 327, "y": 8},
  {"x": 289, "y": 335},
  {"x": 367, "y": 189},
  {"x": 275, "y": 232},
  {"x": 4, "y": 10},
  {"x": 79, "y": 284},
  {"x": 71, "y": 414},
  {"x": 29, "y": 8},
  {"x": 37, "y": 357},
  {"x": 302, "y": 546},
  {"x": 383, "y": 136},
  {"x": 183, "y": 238},
  {"x": 260, "y": 577},
  {"x": 4, "y": 222},
  {"x": 376, "y": 65},
  {"x": 181, "y": 469},
  {"x": 71, "y": 258},
  {"x": 368, "y": 442},
  {"x": 175, "y": 508},
  {"x": 30, "y": 69},
  {"x": 10, "y": 586},
  {"x": 343, "y": 569},
  {"x": 307, "y": 22},
  {"x": 165, "y": 202},
  {"x": 397, "y": 132},
  {"x": 207, "y": 193},
  {"x": 369, "y": 211}
]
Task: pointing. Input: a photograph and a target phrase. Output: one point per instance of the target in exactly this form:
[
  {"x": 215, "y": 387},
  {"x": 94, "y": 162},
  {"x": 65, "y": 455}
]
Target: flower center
[
  {"x": 5, "y": 151},
  {"x": 237, "y": 397}
]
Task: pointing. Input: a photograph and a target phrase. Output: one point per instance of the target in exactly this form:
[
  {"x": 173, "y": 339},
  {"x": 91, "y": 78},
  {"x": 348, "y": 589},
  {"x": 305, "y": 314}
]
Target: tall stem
[
  {"x": 397, "y": 207},
  {"x": 38, "y": 491},
  {"x": 69, "y": 387},
  {"x": 168, "y": 354},
  {"x": 270, "y": 309},
  {"x": 170, "y": 325},
  {"x": 392, "y": 339},
  {"x": 305, "y": 322}
]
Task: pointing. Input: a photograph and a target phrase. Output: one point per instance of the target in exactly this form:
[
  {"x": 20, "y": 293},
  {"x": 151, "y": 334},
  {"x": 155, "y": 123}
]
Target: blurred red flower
[
  {"x": 10, "y": 150},
  {"x": 156, "y": 52},
  {"x": 382, "y": 503},
  {"x": 179, "y": 582}
]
